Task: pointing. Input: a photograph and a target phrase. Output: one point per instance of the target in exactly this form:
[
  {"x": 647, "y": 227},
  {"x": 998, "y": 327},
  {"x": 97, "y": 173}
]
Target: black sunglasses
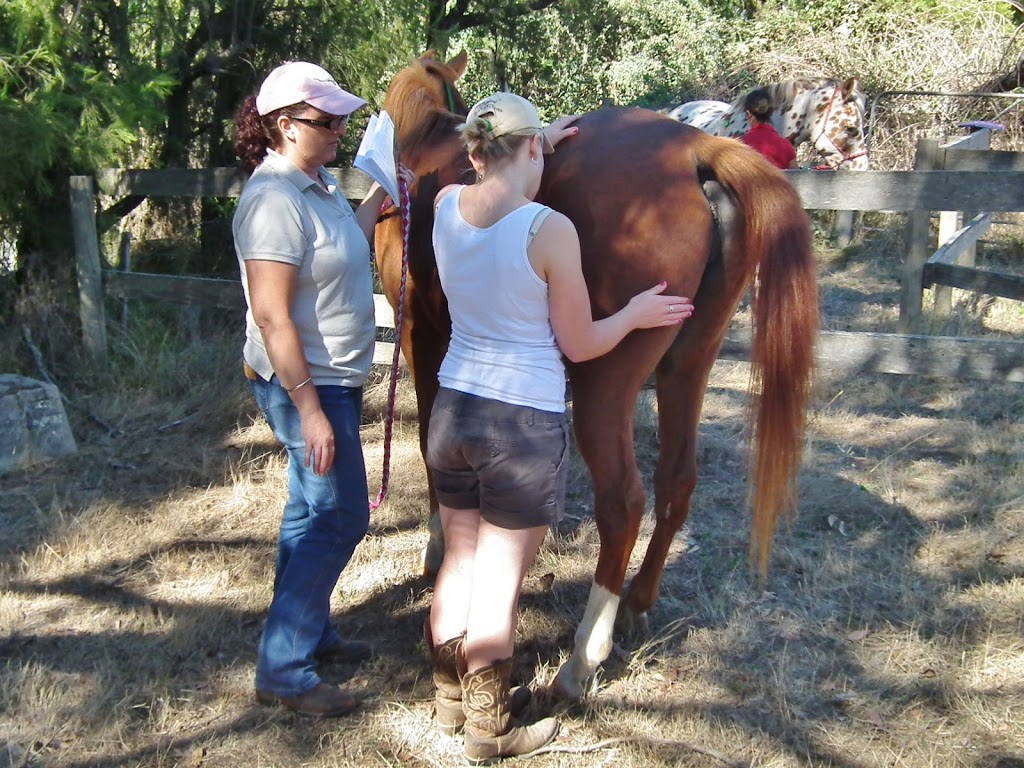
[{"x": 332, "y": 124}]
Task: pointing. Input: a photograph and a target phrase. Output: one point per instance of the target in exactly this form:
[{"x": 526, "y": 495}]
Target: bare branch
[{"x": 1008, "y": 81}]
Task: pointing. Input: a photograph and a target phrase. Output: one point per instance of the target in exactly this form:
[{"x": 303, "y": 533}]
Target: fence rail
[{"x": 971, "y": 185}]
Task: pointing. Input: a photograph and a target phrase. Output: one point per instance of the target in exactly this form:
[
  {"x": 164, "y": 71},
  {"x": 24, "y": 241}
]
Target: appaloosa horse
[
  {"x": 634, "y": 183},
  {"x": 827, "y": 113}
]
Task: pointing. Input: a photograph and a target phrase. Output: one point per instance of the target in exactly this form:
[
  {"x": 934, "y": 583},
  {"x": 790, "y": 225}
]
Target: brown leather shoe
[
  {"x": 323, "y": 700},
  {"x": 346, "y": 652}
]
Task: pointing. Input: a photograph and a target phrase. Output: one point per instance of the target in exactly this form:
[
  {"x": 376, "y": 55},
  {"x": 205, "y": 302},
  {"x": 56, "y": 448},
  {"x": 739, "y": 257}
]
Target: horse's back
[
  {"x": 699, "y": 114},
  {"x": 630, "y": 183}
]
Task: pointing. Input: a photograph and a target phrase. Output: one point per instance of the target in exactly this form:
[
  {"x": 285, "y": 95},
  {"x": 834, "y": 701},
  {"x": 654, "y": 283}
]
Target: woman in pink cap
[{"x": 304, "y": 257}]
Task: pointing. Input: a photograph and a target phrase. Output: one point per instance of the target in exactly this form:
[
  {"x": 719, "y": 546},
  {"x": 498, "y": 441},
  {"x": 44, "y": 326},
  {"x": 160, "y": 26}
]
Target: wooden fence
[
  {"x": 962, "y": 185},
  {"x": 952, "y": 265}
]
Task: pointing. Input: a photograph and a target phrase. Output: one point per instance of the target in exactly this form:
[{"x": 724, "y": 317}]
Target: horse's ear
[
  {"x": 851, "y": 87},
  {"x": 458, "y": 64},
  {"x": 428, "y": 55}
]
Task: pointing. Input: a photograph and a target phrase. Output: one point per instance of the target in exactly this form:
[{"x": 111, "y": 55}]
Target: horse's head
[
  {"x": 423, "y": 96},
  {"x": 426, "y": 110},
  {"x": 827, "y": 113},
  {"x": 839, "y": 129}
]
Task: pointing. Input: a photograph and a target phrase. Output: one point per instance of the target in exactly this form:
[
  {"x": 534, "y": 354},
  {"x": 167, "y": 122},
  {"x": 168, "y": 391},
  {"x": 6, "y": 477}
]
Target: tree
[
  {"x": 100, "y": 83},
  {"x": 447, "y": 18},
  {"x": 577, "y": 54},
  {"x": 70, "y": 100}
]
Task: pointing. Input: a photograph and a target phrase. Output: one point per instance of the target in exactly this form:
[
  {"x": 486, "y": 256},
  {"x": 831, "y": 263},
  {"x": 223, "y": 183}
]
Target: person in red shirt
[{"x": 762, "y": 136}]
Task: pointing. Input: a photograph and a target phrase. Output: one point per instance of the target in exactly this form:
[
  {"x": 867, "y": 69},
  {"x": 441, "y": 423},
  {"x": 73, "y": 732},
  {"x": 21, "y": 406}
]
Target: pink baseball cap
[{"x": 299, "y": 81}]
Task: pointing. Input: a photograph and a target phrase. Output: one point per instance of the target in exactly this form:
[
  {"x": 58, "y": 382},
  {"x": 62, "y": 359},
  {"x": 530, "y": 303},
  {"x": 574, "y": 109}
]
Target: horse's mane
[
  {"x": 412, "y": 103},
  {"x": 785, "y": 91}
]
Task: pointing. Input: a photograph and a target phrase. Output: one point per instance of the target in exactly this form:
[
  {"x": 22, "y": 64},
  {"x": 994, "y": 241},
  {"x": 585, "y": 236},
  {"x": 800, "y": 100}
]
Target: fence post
[
  {"x": 842, "y": 228},
  {"x": 950, "y": 221},
  {"x": 87, "y": 263},
  {"x": 125, "y": 250},
  {"x": 918, "y": 234}
]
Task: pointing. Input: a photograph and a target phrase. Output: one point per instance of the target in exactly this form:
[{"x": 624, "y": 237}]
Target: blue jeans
[{"x": 324, "y": 519}]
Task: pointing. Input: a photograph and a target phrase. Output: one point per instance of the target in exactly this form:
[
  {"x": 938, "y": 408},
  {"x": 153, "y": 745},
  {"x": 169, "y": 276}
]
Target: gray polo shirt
[{"x": 283, "y": 215}]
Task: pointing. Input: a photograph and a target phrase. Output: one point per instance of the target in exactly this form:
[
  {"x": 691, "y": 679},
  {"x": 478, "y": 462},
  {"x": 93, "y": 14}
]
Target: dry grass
[
  {"x": 903, "y": 62},
  {"x": 134, "y": 580}
]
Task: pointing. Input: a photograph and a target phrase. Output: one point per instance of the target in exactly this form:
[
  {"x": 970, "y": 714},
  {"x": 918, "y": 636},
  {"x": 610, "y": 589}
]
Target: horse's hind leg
[
  {"x": 680, "y": 390},
  {"x": 603, "y": 423},
  {"x": 682, "y": 377}
]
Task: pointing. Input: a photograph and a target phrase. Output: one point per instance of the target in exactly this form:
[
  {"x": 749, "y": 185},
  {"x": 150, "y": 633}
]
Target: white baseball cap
[
  {"x": 507, "y": 113},
  {"x": 299, "y": 81}
]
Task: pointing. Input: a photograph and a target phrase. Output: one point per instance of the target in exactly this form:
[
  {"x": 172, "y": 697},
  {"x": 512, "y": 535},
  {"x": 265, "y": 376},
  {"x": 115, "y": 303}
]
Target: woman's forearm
[
  {"x": 284, "y": 348},
  {"x": 368, "y": 211}
]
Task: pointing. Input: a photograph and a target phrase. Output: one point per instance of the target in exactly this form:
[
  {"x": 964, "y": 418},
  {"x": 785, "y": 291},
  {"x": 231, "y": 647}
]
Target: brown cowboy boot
[
  {"x": 448, "y": 665},
  {"x": 490, "y": 733},
  {"x": 445, "y": 660}
]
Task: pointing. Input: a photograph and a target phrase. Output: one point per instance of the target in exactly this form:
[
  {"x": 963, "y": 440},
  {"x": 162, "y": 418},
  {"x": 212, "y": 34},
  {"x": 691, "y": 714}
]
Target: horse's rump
[
  {"x": 632, "y": 181},
  {"x": 700, "y": 114},
  {"x": 615, "y": 180}
]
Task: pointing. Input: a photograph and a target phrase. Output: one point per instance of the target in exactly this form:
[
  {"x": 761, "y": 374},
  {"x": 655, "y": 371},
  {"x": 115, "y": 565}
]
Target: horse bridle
[
  {"x": 449, "y": 95},
  {"x": 824, "y": 124}
]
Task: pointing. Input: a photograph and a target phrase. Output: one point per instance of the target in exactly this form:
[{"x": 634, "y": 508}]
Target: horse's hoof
[
  {"x": 631, "y": 624},
  {"x": 564, "y": 687}
]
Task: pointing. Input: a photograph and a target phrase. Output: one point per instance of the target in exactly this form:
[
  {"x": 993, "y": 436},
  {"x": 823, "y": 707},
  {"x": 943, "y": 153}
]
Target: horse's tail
[{"x": 774, "y": 237}]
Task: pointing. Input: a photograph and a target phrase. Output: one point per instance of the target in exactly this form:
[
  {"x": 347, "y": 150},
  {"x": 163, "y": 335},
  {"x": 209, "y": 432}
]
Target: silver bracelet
[{"x": 299, "y": 385}]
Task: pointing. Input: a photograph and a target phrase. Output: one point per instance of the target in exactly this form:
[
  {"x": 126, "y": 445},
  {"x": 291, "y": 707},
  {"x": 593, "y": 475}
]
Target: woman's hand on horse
[
  {"x": 561, "y": 128},
  {"x": 653, "y": 309}
]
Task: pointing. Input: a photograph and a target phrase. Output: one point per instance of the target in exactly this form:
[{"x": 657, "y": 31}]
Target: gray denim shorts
[{"x": 508, "y": 460}]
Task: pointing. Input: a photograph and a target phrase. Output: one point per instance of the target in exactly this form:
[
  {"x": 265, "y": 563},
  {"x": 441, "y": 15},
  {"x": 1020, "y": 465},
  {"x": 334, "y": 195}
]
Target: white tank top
[{"x": 502, "y": 345}]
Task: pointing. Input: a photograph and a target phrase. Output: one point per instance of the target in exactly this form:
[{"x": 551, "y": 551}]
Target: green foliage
[
  {"x": 667, "y": 48},
  {"x": 155, "y": 83},
  {"x": 557, "y": 58},
  {"x": 1013, "y": 11},
  {"x": 823, "y": 15},
  {"x": 67, "y": 105},
  {"x": 373, "y": 42},
  {"x": 574, "y": 55}
]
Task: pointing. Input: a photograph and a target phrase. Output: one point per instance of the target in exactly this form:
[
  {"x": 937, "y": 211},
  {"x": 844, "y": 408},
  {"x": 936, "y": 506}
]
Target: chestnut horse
[{"x": 634, "y": 183}]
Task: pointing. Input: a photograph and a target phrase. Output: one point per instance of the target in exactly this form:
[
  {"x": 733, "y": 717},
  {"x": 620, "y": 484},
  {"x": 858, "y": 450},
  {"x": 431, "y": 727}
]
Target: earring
[{"x": 535, "y": 160}]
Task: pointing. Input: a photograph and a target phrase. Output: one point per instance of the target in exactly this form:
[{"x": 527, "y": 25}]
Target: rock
[{"x": 33, "y": 424}]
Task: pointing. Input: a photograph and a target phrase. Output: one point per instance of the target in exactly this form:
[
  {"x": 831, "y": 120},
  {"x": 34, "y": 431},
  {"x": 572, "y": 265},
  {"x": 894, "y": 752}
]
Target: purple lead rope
[{"x": 389, "y": 422}]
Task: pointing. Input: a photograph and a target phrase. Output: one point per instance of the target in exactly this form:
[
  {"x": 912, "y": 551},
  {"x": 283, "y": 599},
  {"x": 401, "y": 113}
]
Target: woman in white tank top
[{"x": 511, "y": 272}]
